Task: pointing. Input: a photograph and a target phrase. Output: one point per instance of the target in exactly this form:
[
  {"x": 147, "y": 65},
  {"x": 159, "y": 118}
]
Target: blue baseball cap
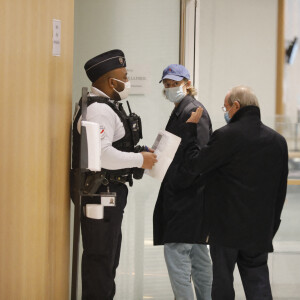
[{"x": 175, "y": 72}]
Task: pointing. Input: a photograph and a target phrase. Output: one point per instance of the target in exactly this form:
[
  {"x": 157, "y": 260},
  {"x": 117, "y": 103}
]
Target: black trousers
[
  {"x": 101, "y": 241},
  {"x": 253, "y": 269}
]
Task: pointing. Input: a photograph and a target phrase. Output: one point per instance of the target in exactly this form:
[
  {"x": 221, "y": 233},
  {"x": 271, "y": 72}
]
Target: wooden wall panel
[
  {"x": 280, "y": 59},
  {"x": 35, "y": 114}
]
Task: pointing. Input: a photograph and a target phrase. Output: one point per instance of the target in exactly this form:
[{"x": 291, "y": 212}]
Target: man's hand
[
  {"x": 148, "y": 149},
  {"x": 195, "y": 116},
  {"x": 149, "y": 160}
]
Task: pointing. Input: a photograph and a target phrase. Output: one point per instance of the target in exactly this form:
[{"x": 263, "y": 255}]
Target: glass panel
[
  {"x": 290, "y": 222},
  {"x": 148, "y": 33},
  {"x": 291, "y": 132},
  {"x": 294, "y": 166}
]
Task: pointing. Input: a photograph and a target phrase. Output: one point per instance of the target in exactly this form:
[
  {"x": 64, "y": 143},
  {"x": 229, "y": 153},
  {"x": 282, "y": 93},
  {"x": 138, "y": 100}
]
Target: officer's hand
[
  {"x": 149, "y": 160},
  {"x": 195, "y": 116},
  {"x": 148, "y": 149}
]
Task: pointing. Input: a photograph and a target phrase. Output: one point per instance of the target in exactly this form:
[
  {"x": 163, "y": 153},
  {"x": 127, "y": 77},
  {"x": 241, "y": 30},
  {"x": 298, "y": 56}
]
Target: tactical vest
[{"x": 133, "y": 133}]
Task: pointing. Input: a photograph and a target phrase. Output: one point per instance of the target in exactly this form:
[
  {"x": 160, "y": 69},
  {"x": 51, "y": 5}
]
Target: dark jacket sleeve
[
  {"x": 204, "y": 129},
  {"x": 183, "y": 178},
  {"x": 281, "y": 191},
  {"x": 219, "y": 150}
]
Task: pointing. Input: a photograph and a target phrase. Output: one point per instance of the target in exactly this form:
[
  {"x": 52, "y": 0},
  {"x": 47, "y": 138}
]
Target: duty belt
[
  {"x": 92, "y": 181},
  {"x": 116, "y": 178}
]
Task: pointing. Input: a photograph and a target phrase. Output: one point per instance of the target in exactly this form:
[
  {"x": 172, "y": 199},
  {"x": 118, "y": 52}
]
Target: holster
[
  {"x": 85, "y": 183},
  {"x": 92, "y": 181}
]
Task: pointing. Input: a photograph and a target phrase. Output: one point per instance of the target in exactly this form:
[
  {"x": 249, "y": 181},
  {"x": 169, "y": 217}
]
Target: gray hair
[{"x": 244, "y": 95}]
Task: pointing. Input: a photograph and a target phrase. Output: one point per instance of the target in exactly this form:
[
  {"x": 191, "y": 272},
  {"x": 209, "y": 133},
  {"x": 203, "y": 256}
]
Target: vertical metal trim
[
  {"x": 182, "y": 32},
  {"x": 280, "y": 58},
  {"x": 195, "y": 32}
]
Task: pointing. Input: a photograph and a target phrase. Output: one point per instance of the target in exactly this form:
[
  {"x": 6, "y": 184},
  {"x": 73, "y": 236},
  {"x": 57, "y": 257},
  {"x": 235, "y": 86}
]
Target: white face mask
[
  {"x": 123, "y": 94},
  {"x": 175, "y": 94}
]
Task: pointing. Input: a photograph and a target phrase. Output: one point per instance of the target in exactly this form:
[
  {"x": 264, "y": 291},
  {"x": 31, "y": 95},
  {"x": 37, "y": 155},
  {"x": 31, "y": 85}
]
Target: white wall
[
  {"x": 148, "y": 33},
  {"x": 237, "y": 46},
  {"x": 292, "y": 71}
]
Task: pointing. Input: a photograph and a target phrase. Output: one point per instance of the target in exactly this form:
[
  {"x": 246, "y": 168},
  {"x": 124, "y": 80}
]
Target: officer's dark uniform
[{"x": 102, "y": 237}]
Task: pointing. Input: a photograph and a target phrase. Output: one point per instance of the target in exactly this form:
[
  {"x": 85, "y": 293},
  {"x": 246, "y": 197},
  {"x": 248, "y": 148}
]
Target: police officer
[{"x": 121, "y": 160}]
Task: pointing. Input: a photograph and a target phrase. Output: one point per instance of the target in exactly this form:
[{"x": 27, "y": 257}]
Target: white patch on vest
[{"x": 102, "y": 131}]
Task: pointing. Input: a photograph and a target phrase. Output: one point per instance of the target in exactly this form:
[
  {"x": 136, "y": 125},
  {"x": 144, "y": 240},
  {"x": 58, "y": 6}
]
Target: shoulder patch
[{"x": 102, "y": 131}]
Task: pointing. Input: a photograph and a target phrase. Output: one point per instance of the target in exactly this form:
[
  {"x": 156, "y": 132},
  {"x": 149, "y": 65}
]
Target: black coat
[
  {"x": 177, "y": 214},
  {"x": 247, "y": 167}
]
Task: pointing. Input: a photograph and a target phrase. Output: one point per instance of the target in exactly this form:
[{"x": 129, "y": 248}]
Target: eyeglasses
[{"x": 224, "y": 108}]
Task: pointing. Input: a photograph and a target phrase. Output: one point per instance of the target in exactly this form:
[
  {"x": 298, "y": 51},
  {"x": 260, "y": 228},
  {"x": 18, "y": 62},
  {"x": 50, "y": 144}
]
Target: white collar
[{"x": 97, "y": 92}]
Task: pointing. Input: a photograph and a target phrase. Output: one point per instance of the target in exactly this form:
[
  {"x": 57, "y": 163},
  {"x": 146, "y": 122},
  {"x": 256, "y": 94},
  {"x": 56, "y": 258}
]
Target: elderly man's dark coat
[
  {"x": 247, "y": 167},
  {"x": 177, "y": 214}
]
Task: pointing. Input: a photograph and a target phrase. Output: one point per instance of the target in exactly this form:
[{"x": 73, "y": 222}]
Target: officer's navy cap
[
  {"x": 103, "y": 63},
  {"x": 175, "y": 72}
]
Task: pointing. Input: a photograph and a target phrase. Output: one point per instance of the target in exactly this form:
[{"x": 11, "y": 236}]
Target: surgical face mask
[
  {"x": 123, "y": 94},
  {"x": 226, "y": 115},
  {"x": 175, "y": 94}
]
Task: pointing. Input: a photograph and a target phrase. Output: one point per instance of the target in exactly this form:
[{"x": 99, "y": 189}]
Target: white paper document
[{"x": 165, "y": 147}]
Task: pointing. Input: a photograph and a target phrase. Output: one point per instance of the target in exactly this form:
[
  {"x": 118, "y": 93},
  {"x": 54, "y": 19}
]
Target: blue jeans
[{"x": 186, "y": 262}]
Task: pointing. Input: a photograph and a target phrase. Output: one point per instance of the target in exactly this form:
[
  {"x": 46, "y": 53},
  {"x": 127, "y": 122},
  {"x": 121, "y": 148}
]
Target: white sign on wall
[
  {"x": 56, "y": 39},
  {"x": 139, "y": 81}
]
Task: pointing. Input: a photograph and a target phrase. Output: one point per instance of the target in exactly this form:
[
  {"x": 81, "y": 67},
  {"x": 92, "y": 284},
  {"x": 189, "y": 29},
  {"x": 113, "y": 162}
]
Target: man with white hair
[{"x": 246, "y": 164}]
